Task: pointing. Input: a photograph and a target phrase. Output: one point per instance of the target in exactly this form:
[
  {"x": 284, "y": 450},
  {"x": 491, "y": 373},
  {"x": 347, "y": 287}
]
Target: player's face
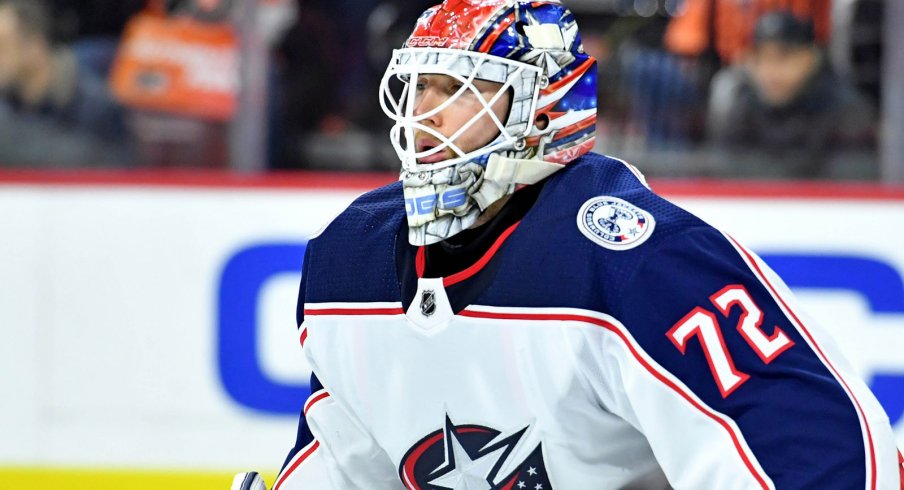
[
  {"x": 433, "y": 90},
  {"x": 780, "y": 71}
]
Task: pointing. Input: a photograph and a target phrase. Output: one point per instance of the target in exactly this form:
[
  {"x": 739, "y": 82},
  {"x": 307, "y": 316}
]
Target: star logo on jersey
[
  {"x": 428, "y": 302},
  {"x": 473, "y": 457}
]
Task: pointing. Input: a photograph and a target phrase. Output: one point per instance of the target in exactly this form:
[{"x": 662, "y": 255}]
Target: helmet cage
[{"x": 408, "y": 64}]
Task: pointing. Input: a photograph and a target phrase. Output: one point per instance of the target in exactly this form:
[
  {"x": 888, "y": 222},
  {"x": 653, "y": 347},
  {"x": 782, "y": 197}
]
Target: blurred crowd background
[{"x": 798, "y": 89}]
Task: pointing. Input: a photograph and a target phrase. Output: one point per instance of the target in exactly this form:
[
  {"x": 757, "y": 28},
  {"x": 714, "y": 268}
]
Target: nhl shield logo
[
  {"x": 428, "y": 302},
  {"x": 614, "y": 223}
]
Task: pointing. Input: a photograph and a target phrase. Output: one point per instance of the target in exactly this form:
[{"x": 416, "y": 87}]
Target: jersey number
[{"x": 705, "y": 326}]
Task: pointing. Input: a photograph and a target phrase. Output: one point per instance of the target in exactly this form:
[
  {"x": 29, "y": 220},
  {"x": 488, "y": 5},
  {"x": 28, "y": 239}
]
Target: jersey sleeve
[
  {"x": 305, "y": 466},
  {"x": 732, "y": 385},
  {"x": 332, "y": 449}
]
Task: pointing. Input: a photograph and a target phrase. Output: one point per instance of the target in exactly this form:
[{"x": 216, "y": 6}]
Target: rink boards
[{"x": 148, "y": 320}]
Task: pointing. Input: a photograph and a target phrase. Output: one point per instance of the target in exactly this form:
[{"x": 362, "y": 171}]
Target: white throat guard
[{"x": 444, "y": 198}]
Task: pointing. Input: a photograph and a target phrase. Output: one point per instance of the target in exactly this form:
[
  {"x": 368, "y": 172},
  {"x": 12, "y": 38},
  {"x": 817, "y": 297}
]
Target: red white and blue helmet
[{"x": 534, "y": 50}]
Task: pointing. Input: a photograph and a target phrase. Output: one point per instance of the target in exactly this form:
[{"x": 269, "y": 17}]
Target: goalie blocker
[{"x": 251, "y": 480}]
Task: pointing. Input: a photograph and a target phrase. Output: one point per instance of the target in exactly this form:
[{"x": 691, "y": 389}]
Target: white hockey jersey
[{"x": 607, "y": 340}]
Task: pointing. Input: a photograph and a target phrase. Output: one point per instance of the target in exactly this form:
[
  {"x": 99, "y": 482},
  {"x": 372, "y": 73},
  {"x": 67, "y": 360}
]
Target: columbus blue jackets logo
[
  {"x": 614, "y": 223},
  {"x": 472, "y": 457}
]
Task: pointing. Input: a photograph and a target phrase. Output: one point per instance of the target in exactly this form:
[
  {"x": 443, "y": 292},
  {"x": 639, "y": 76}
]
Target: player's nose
[{"x": 426, "y": 103}]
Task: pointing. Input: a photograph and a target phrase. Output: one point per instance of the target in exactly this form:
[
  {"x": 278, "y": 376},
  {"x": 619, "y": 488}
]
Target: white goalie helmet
[{"x": 532, "y": 50}]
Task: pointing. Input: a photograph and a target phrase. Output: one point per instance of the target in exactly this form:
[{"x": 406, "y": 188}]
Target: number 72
[{"x": 704, "y": 324}]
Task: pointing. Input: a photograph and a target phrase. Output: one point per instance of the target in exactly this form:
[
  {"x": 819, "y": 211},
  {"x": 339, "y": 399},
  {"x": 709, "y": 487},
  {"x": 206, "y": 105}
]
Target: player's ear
[{"x": 541, "y": 121}]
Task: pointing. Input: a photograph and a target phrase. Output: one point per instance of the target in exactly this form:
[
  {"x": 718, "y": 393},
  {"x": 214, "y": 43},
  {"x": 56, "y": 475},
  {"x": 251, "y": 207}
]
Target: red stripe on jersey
[
  {"x": 304, "y": 335},
  {"x": 355, "y": 311},
  {"x": 412, "y": 457},
  {"x": 420, "y": 260},
  {"x": 305, "y": 453},
  {"x": 315, "y": 397},
  {"x": 480, "y": 264},
  {"x": 869, "y": 436},
  {"x": 901, "y": 466},
  {"x": 735, "y": 437}
]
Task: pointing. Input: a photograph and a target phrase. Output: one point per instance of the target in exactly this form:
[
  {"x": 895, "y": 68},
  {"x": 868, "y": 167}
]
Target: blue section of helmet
[
  {"x": 512, "y": 45},
  {"x": 567, "y": 70},
  {"x": 511, "y": 39},
  {"x": 504, "y": 49},
  {"x": 551, "y": 13},
  {"x": 582, "y": 95},
  {"x": 517, "y": 53}
]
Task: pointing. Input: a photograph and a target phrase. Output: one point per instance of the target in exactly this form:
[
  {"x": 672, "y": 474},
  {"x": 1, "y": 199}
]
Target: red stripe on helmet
[
  {"x": 576, "y": 127},
  {"x": 571, "y": 129},
  {"x": 577, "y": 73},
  {"x": 491, "y": 39}
]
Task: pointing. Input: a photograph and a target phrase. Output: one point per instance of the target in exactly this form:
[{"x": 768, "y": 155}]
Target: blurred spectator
[
  {"x": 388, "y": 27},
  {"x": 784, "y": 113},
  {"x": 652, "y": 96},
  {"x": 669, "y": 86},
  {"x": 724, "y": 27},
  {"x": 328, "y": 62},
  {"x": 177, "y": 70},
  {"x": 92, "y": 28},
  {"x": 52, "y": 111},
  {"x": 309, "y": 61}
]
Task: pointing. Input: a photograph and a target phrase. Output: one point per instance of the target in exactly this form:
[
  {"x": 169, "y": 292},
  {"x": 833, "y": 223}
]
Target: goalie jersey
[{"x": 608, "y": 339}]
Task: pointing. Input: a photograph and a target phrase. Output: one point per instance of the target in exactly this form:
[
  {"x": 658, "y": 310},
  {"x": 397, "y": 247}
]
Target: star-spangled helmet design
[{"x": 534, "y": 50}]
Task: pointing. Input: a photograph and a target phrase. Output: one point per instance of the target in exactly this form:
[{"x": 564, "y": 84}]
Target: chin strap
[
  {"x": 518, "y": 171},
  {"x": 503, "y": 174}
]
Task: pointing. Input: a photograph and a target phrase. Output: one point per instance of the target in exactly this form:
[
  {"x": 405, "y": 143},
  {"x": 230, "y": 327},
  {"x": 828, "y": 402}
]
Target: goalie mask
[{"x": 532, "y": 52}]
